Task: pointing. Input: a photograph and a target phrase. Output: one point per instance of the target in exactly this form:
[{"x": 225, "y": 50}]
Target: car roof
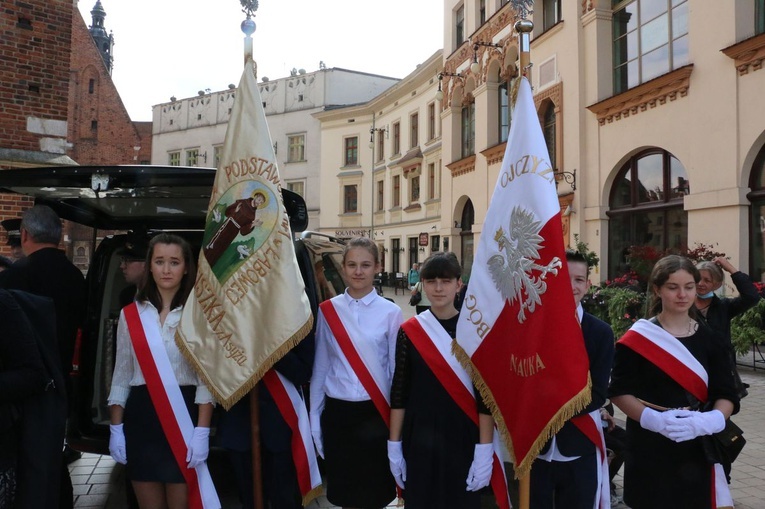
[{"x": 129, "y": 197}]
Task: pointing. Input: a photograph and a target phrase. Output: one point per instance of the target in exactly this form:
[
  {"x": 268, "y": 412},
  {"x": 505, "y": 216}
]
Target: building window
[
  {"x": 350, "y": 199},
  {"x": 396, "y": 138},
  {"x": 759, "y": 17},
  {"x": 380, "y": 195},
  {"x": 550, "y": 13},
  {"x": 646, "y": 207},
  {"x": 91, "y": 86},
  {"x": 482, "y": 12},
  {"x": 297, "y": 187},
  {"x": 395, "y": 248},
  {"x": 550, "y": 133},
  {"x": 468, "y": 129},
  {"x": 414, "y": 129},
  {"x": 650, "y": 39},
  {"x": 380, "y": 146},
  {"x": 435, "y": 243},
  {"x": 192, "y": 157},
  {"x": 217, "y": 151},
  {"x": 94, "y": 125},
  {"x": 757, "y": 222},
  {"x": 505, "y": 112},
  {"x": 459, "y": 26},
  {"x": 397, "y": 191},
  {"x": 351, "y": 151},
  {"x": 296, "y": 144},
  {"x": 431, "y": 121},
  {"x": 414, "y": 189},
  {"x": 431, "y": 181},
  {"x": 174, "y": 158}
]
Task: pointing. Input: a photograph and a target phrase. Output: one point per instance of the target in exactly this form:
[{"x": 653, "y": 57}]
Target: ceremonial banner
[
  {"x": 248, "y": 306},
  {"x": 518, "y": 335}
]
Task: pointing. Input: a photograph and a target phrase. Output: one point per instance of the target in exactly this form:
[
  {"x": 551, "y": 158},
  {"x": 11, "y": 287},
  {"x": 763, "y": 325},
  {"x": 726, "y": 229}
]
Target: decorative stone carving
[
  {"x": 747, "y": 54},
  {"x": 648, "y": 95}
]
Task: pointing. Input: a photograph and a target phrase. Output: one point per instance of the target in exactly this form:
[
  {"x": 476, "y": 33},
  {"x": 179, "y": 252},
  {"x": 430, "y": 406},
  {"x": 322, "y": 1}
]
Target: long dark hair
[
  {"x": 660, "y": 274},
  {"x": 149, "y": 291}
]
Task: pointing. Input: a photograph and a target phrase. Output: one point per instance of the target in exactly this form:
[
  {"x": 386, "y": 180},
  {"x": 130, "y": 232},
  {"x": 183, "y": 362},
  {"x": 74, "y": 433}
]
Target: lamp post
[{"x": 372, "y": 131}]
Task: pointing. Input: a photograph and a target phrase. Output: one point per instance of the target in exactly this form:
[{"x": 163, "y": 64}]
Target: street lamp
[{"x": 372, "y": 131}]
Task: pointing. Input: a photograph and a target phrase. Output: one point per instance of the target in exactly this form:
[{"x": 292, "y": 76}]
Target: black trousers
[{"x": 569, "y": 484}]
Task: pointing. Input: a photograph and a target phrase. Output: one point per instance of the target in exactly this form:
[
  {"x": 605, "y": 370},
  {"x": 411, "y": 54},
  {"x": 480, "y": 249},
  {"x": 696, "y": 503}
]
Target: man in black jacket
[{"x": 46, "y": 271}]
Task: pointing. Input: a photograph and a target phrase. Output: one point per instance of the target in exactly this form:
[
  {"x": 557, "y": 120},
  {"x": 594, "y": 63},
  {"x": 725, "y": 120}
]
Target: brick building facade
[{"x": 59, "y": 104}]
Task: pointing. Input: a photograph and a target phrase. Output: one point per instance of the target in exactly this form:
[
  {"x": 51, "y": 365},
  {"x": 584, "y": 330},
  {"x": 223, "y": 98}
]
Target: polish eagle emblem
[{"x": 513, "y": 268}]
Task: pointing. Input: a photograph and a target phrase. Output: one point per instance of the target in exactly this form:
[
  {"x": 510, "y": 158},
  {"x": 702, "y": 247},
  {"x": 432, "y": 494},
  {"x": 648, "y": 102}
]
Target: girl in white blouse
[
  {"x": 350, "y": 387},
  {"x": 140, "y": 442}
]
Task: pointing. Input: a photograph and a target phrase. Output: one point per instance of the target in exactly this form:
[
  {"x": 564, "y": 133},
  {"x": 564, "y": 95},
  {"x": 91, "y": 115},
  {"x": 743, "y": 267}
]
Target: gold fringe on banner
[
  {"x": 565, "y": 413},
  {"x": 227, "y": 403}
]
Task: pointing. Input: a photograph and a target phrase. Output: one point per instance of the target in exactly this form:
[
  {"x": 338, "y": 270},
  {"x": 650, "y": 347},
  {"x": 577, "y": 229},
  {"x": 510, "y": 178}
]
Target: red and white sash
[
  {"x": 293, "y": 410},
  {"x": 435, "y": 346},
  {"x": 673, "y": 358},
  {"x": 590, "y": 426},
  {"x": 361, "y": 355},
  {"x": 167, "y": 399}
]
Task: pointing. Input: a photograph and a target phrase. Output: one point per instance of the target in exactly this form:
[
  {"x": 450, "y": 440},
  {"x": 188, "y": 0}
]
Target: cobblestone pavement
[{"x": 99, "y": 483}]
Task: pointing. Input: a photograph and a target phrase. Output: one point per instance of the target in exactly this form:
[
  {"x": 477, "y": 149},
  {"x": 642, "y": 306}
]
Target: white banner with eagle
[
  {"x": 248, "y": 307},
  {"x": 518, "y": 335}
]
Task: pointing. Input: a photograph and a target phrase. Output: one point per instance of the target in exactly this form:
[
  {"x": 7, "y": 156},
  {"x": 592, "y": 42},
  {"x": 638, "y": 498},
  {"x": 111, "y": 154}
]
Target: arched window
[
  {"x": 646, "y": 207},
  {"x": 505, "y": 111},
  {"x": 468, "y": 239},
  {"x": 550, "y": 133},
  {"x": 757, "y": 224},
  {"x": 468, "y": 129}
]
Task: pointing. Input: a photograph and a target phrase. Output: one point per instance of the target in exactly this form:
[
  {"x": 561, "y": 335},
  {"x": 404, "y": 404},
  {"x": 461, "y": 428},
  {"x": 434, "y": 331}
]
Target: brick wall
[
  {"x": 35, "y": 38},
  {"x": 100, "y": 129}
]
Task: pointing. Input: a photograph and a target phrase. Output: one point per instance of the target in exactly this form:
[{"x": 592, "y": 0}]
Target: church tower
[{"x": 104, "y": 42}]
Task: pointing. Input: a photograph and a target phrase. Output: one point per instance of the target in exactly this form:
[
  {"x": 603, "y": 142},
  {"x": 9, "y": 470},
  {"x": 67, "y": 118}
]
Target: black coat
[
  {"x": 43, "y": 414},
  {"x": 22, "y": 375},
  {"x": 49, "y": 273}
]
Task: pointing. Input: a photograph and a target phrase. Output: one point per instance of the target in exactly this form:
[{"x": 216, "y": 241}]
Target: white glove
[
  {"x": 697, "y": 424},
  {"x": 658, "y": 422},
  {"x": 317, "y": 436},
  {"x": 117, "y": 443},
  {"x": 397, "y": 462},
  {"x": 479, "y": 474},
  {"x": 199, "y": 447}
]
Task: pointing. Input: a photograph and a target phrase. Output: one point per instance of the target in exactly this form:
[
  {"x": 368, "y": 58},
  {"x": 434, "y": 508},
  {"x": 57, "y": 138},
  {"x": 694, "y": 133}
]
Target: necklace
[{"x": 674, "y": 331}]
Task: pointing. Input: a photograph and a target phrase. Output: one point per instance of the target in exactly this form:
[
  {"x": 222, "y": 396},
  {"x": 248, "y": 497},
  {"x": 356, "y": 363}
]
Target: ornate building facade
[{"x": 653, "y": 114}]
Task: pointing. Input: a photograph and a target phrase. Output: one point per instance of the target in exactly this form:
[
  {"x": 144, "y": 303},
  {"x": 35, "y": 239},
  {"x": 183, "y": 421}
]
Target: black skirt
[
  {"x": 149, "y": 457},
  {"x": 356, "y": 455}
]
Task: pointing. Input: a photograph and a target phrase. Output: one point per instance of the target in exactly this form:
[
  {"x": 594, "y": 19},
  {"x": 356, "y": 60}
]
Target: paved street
[{"x": 99, "y": 483}]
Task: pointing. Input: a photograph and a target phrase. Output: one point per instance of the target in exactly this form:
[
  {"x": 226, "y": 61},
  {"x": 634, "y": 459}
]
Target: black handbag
[
  {"x": 415, "y": 298},
  {"x": 725, "y": 446}
]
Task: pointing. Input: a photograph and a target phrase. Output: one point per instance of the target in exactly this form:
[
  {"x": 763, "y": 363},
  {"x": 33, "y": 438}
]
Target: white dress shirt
[
  {"x": 127, "y": 372},
  {"x": 333, "y": 376}
]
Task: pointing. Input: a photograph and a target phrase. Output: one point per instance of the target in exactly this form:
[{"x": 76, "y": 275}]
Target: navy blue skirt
[
  {"x": 356, "y": 455},
  {"x": 149, "y": 457}
]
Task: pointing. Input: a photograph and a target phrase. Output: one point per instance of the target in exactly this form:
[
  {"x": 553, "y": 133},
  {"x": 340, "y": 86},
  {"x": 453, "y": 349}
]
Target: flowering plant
[{"x": 748, "y": 328}]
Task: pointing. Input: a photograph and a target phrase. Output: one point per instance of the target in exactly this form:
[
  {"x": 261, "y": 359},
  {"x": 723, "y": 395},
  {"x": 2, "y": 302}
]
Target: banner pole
[
  {"x": 524, "y": 491},
  {"x": 257, "y": 475},
  {"x": 524, "y": 27}
]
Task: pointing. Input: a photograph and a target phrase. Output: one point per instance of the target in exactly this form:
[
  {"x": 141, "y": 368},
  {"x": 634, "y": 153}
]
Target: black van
[{"x": 118, "y": 203}]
